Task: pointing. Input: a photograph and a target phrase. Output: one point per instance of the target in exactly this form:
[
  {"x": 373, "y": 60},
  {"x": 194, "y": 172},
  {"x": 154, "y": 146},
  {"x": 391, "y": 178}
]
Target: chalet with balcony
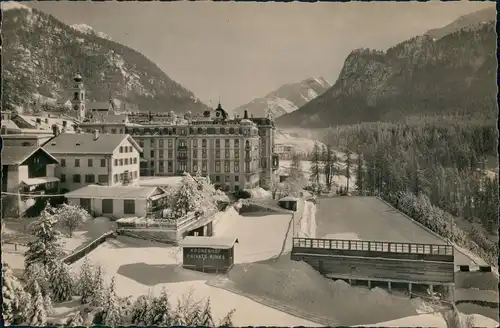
[{"x": 28, "y": 170}]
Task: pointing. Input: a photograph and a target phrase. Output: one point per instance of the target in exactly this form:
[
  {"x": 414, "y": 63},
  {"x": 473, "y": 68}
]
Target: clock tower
[{"x": 78, "y": 97}]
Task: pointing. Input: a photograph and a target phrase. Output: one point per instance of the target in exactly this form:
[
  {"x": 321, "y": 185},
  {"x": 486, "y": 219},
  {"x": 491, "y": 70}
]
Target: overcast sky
[{"x": 240, "y": 51}]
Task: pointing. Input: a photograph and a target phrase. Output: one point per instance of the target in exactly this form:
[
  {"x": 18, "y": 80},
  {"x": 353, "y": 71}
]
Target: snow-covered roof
[
  {"x": 208, "y": 242},
  {"x": 288, "y": 199},
  {"x": 113, "y": 192},
  {"x": 160, "y": 181}
]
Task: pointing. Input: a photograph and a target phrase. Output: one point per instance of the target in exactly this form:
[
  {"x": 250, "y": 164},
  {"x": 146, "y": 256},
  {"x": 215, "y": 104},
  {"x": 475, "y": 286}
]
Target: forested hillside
[{"x": 435, "y": 169}]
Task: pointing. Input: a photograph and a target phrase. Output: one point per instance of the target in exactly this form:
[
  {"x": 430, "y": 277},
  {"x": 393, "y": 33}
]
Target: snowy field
[
  {"x": 140, "y": 266},
  {"x": 17, "y": 231}
]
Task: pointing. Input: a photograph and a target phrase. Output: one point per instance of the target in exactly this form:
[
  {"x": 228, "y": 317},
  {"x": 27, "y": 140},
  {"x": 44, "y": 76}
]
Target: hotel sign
[{"x": 203, "y": 254}]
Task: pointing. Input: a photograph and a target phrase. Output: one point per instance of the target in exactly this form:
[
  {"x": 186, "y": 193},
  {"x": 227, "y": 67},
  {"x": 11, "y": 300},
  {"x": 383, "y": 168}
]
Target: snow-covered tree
[
  {"x": 14, "y": 303},
  {"x": 47, "y": 302},
  {"x": 85, "y": 286},
  {"x": 296, "y": 180},
  {"x": 71, "y": 216},
  {"x": 316, "y": 166},
  {"x": 99, "y": 288},
  {"x": 37, "y": 315},
  {"x": 36, "y": 274},
  {"x": 141, "y": 310},
  {"x": 61, "y": 283},
  {"x": 46, "y": 247},
  {"x": 161, "y": 312},
  {"x": 111, "y": 308},
  {"x": 227, "y": 321},
  {"x": 187, "y": 312},
  {"x": 187, "y": 198},
  {"x": 75, "y": 320},
  {"x": 206, "y": 315}
]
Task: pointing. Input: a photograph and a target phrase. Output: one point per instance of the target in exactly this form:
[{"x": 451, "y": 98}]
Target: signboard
[
  {"x": 207, "y": 257},
  {"x": 204, "y": 254}
]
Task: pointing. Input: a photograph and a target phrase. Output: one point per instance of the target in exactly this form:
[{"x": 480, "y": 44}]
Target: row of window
[
  {"x": 107, "y": 205},
  {"x": 195, "y": 143},
  {"x": 126, "y": 149},
  {"x": 126, "y": 161},
  {"x": 170, "y": 154},
  {"x": 87, "y": 178},
  {"x": 90, "y": 162},
  {"x": 125, "y": 176},
  {"x": 182, "y": 166},
  {"x": 192, "y": 130}
]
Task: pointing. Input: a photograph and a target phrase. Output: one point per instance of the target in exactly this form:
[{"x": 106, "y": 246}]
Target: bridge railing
[{"x": 373, "y": 246}]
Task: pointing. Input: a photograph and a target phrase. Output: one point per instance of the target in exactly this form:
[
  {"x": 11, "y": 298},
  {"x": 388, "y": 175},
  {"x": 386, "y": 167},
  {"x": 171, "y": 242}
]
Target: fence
[
  {"x": 373, "y": 246},
  {"x": 75, "y": 256}
]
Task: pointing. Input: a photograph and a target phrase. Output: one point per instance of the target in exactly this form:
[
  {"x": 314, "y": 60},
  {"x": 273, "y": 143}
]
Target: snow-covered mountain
[
  {"x": 87, "y": 29},
  {"x": 286, "y": 99},
  {"x": 41, "y": 54}
]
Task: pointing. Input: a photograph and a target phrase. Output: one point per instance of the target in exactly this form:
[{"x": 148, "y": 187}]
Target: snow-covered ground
[
  {"x": 300, "y": 143},
  {"x": 433, "y": 320},
  {"x": 173, "y": 181}
]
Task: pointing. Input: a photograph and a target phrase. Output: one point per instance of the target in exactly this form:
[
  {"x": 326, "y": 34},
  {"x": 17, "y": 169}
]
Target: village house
[
  {"x": 119, "y": 201},
  {"x": 95, "y": 158},
  {"x": 28, "y": 170}
]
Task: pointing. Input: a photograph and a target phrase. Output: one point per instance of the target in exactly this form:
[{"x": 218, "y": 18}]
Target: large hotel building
[{"x": 237, "y": 153}]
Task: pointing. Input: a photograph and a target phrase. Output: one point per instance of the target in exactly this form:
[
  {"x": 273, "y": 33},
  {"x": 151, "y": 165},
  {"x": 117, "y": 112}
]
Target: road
[{"x": 368, "y": 218}]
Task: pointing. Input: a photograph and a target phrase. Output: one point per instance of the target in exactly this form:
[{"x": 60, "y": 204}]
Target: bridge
[{"x": 378, "y": 261}]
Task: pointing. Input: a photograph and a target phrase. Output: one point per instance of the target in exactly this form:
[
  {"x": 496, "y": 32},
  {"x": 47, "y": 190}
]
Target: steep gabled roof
[
  {"x": 15, "y": 155},
  {"x": 84, "y": 143},
  {"x": 113, "y": 192}
]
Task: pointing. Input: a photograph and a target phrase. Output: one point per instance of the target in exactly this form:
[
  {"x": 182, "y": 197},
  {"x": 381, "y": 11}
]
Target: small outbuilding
[
  {"x": 288, "y": 203},
  {"x": 208, "y": 254}
]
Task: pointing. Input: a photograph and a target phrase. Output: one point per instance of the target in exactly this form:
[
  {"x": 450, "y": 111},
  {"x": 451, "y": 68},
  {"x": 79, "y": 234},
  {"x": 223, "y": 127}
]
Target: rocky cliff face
[
  {"x": 41, "y": 54},
  {"x": 456, "y": 73},
  {"x": 286, "y": 99}
]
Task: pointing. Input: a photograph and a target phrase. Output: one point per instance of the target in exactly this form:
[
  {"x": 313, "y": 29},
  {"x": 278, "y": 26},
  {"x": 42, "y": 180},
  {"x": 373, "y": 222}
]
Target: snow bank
[
  {"x": 433, "y": 320},
  {"x": 299, "y": 286},
  {"x": 224, "y": 220},
  {"x": 259, "y": 193}
]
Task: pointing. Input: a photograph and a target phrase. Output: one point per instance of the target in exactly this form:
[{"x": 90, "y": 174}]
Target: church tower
[{"x": 78, "y": 97}]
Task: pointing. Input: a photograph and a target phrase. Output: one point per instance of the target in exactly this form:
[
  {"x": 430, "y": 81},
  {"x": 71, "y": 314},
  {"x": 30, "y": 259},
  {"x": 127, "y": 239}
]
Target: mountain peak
[
  {"x": 14, "y": 5},
  {"x": 87, "y": 29}
]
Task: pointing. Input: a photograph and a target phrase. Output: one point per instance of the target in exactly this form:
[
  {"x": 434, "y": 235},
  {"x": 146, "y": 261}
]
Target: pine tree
[
  {"x": 37, "y": 315},
  {"x": 206, "y": 315},
  {"x": 348, "y": 169},
  {"x": 14, "y": 303},
  {"x": 99, "y": 288},
  {"x": 227, "y": 321},
  {"x": 360, "y": 175},
  {"x": 61, "y": 282},
  {"x": 36, "y": 274},
  {"x": 328, "y": 161},
  {"x": 141, "y": 310},
  {"x": 111, "y": 308},
  {"x": 315, "y": 166},
  {"x": 46, "y": 247},
  {"x": 86, "y": 282},
  {"x": 161, "y": 311},
  {"x": 75, "y": 320},
  {"x": 47, "y": 302}
]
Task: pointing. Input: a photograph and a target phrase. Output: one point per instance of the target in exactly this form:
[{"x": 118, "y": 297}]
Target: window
[
  {"x": 217, "y": 178},
  {"x": 102, "y": 178},
  {"x": 217, "y": 166},
  {"x": 152, "y": 153},
  {"x": 227, "y": 166},
  {"x": 236, "y": 143},
  {"x": 76, "y": 178},
  {"x": 135, "y": 160},
  {"x": 204, "y": 143},
  {"x": 90, "y": 162},
  {"x": 86, "y": 204},
  {"x": 217, "y": 153},
  {"x": 195, "y": 153},
  {"x": 195, "y": 166},
  {"x": 195, "y": 143},
  {"x": 204, "y": 166},
  {"x": 103, "y": 162},
  {"x": 170, "y": 143},
  {"x": 236, "y": 178},
  {"x": 161, "y": 168},
  {"x": 121, "y": 162},
  {"x": 121, "y": 149},
  {"x": 161, "y": 143},
  {"x": 170, "y": 166},
  {"x": 160, "y": 153},
  {"x": 113, "y": 131},
  {"x": 204, "y": 153},
  {"x": 107, "y": 206},
  {"x": 116, "y": 162},
  {"x": 63, "y": 178},
  {"x": 170, "y": 153},
  {"x": 63, "y": 162},
  {"x": 121, "y": 176},
  {"x": 126, "y": 161},
  {"x": 237, "y": 153},
  {"x": 217, "y": 143},
  {"x": 236, "y": 188},
  {"x": 263, "y": 163},
  {"x": 141, "y": 143},
  {"x": 89, "y": 178},
  {"x": 129, "y": 206},
  {"x": 152, "y": 142},
  {"x": 228, "y": 143},
  {"x": 115, "y": 178},
  {"x": 226, "y": 153},
  {"x": 77, "y": 162},
  {"x": 227, "y": 178},
  {"x": 236, "y": 166}
]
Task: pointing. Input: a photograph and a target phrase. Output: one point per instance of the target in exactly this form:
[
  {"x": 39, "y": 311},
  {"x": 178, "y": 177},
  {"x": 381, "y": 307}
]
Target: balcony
[
  {"x": 182, "y": 157},
  {"x": 182, "y": 147}
]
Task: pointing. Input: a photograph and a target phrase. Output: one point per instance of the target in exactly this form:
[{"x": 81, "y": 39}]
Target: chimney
[
  {"x": 46, "y": 120},
  {"x": 65, "y": 123},
  {"x": 38, "y": 122},
  {"x": 246, "y": 114},
  {"x": 96, "y": 134}
]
